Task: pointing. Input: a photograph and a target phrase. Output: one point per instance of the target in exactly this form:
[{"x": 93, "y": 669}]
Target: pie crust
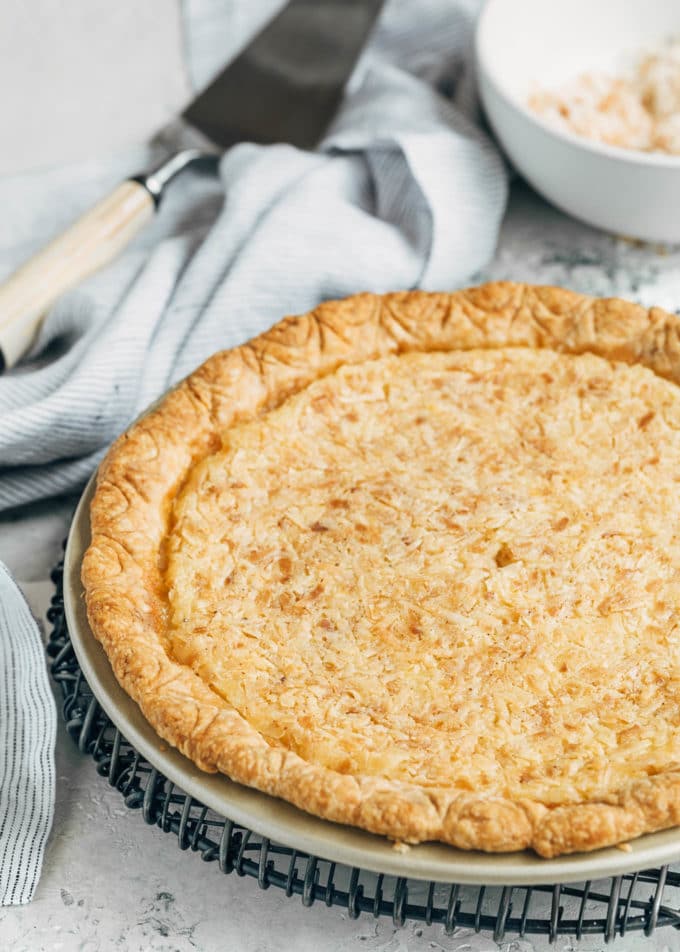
[{"x": 409, "y": 562}]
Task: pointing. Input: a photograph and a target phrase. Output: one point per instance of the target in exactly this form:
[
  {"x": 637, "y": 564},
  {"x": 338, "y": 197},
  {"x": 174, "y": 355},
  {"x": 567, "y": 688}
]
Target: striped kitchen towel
[
  {"x": 405, "y": 191},
  {"x": 27, "y": 731}
]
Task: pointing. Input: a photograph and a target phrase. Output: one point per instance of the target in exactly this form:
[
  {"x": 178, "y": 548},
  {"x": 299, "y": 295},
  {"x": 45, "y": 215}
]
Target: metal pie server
[{"x": 284, "y": 87}]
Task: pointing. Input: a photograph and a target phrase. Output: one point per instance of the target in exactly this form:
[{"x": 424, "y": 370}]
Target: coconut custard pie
[{"x": 412, "y": 563}]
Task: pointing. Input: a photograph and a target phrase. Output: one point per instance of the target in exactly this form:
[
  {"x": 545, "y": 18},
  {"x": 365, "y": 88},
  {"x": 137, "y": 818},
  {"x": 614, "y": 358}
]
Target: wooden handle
[{"x": 91, "y": 242}]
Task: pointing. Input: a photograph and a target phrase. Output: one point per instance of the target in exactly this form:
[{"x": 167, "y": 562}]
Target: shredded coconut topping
[
  {"x": 639, "y": 111},
  {"x": 460, "y": 569}
]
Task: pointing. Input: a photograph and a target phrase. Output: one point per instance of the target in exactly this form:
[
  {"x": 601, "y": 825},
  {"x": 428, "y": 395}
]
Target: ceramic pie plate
[{"x": 291, "y": 827}]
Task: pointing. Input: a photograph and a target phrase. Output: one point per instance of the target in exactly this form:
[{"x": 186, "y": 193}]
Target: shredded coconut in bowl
[{"x": 636, "y": 111}]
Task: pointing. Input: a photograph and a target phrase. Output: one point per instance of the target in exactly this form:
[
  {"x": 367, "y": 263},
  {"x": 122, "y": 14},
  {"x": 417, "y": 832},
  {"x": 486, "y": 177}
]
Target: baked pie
[{"x": 412, "y": 563}]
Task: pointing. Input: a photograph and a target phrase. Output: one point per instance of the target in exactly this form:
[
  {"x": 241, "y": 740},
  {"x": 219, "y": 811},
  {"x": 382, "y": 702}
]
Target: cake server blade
[{"x": 288, "y": 82}]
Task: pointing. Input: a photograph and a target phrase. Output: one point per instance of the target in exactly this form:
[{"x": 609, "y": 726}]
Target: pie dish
[{"x": 409, "y": 563}]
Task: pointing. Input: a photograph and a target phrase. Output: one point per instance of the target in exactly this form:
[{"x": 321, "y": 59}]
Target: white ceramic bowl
[{"x": 522, "y": 45}]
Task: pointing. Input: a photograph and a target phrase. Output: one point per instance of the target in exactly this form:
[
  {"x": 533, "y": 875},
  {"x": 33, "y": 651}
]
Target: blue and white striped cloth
[
  {"x": 28, "y": 724},
  {"x": 405, "y": 191}
]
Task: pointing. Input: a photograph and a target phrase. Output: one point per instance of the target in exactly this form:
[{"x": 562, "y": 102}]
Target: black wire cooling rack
[{"x": 641, "y": 901}]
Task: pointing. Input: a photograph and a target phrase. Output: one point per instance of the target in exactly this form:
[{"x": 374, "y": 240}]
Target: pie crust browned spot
[{"x": 411, "y": 563}]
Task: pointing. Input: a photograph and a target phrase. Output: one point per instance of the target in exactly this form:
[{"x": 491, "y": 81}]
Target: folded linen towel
[{"x": 28, "y": 723}]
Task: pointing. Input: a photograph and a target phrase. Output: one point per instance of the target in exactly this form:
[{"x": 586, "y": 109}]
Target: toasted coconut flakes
[
  {"x": 498, "y": 619},
  {"x": 637, "y": 111}
]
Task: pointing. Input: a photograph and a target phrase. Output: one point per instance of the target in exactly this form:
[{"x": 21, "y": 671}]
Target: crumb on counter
[{"x": 640, "y": 110}]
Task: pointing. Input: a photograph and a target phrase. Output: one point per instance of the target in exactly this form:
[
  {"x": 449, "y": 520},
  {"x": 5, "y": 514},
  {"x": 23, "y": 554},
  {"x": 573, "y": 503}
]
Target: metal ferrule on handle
[{"x": 91, "y": 242}]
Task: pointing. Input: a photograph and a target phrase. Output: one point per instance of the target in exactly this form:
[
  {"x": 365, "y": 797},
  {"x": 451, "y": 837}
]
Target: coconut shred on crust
[{"x": 411, "y": 563}]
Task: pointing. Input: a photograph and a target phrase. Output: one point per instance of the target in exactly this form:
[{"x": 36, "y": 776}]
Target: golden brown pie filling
[{"x": 460, "y": 570}]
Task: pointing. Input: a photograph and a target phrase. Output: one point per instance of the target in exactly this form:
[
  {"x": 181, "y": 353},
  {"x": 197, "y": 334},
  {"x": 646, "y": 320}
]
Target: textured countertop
[{"x": 110, "y": 881}]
